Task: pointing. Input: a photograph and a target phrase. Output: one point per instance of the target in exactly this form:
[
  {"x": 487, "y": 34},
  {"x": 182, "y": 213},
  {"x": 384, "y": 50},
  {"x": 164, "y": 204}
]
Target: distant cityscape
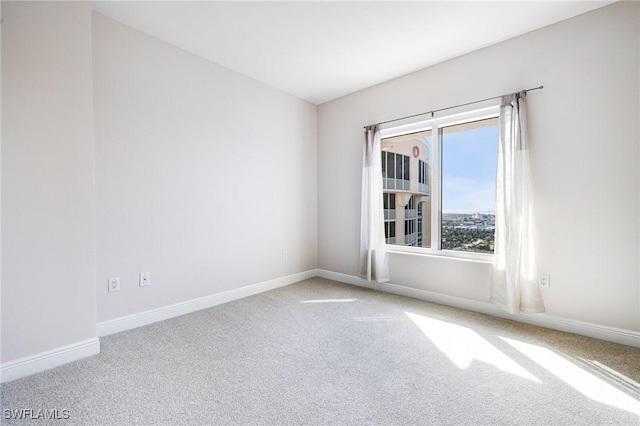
[{"x": 469, "y": 232}]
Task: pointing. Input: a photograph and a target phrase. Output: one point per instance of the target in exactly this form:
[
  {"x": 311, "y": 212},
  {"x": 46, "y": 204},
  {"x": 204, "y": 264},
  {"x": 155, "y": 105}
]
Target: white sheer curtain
[
  {"x": 374, "y": 263},
  {"x": 514, "y": 285}
]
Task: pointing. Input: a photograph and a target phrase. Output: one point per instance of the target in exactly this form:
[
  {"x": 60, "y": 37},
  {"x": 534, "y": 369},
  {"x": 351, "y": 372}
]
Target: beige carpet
[{"x": 323, "y": 353}]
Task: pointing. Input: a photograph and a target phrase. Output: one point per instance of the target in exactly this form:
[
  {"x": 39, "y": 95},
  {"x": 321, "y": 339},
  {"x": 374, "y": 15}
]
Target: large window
[{"x": 450, "y": 208}]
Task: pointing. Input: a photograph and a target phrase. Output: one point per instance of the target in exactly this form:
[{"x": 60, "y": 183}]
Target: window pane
[
  {"x": 408, "y": 205},
  {"x": 404, "y": 156},
  {"x": 384, "y": 164},
  {"x": 469, "y": 160},
  {"x": 406, "y": 167}
]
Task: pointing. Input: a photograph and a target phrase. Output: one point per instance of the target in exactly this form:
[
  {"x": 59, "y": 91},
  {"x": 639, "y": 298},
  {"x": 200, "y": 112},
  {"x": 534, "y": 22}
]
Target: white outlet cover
[
  {"x": 545, "y": 281},
  {"x": 113, "y": 284}
]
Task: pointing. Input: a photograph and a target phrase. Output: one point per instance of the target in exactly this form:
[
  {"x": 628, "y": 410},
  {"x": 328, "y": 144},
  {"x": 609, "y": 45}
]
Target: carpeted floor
[{"x": 323, "y": 353}]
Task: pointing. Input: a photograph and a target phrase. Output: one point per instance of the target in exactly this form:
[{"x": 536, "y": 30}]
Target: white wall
[
  {"x": 584, "y": 151},
  {"x": 203, "y": 176},
  {"x": 0, "y": 182},
  {"x": 48, "y": 238}
]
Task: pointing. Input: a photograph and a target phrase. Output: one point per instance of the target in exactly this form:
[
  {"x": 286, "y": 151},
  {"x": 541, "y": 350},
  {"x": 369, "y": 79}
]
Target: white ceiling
[{"x": 319, "y": 51}]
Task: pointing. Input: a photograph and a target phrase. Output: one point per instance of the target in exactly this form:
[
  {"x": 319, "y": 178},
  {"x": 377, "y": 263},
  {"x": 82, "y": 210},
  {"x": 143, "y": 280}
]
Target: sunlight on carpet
[
  {"x": 463, "y": 346},
  {"x": 584, "y": 382}
]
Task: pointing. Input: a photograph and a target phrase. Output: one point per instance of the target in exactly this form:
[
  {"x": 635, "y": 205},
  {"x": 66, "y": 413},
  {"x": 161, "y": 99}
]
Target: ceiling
[{"x": 319, "y": 51}]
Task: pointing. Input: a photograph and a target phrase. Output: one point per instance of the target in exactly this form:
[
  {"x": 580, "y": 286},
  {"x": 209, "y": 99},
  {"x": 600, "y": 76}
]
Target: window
[
  {"x": 449, "y": 206},
  {"x": 423, "y": 172},
  {"x": 389, "y": 205},
  {"x": 396, "y": 170},
  {"x": 410, "y": 222}
]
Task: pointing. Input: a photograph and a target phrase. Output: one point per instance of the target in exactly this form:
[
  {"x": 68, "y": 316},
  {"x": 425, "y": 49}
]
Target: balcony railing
[
  {"x": 391, "y": 240},
  {"x": 410, "y": 213},
  {"x": 411, "y": 238},
  {"x": 389, "y": 214},
  {"x": 389, "y": 183},
  {"x": 405, "y": 185}
]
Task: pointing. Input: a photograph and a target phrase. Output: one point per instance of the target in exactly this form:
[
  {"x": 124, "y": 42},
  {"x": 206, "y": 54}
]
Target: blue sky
[{"x": 469, "y": 160}]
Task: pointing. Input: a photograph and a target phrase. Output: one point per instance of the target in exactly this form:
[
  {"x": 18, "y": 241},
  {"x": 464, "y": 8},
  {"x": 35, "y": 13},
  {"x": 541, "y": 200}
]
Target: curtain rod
[{"x": 451, "y": 107}]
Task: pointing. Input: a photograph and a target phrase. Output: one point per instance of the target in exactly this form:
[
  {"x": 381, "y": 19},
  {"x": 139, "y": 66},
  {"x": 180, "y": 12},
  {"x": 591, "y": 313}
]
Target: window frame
[{"x": 435, "y": 178}]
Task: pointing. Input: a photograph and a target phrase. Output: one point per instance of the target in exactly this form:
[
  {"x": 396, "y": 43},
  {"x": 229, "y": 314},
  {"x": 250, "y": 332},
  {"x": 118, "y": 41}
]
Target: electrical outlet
[
  {"x": 545, "y": 281},
  {"x": 285, "y": 255},
  {"x": 145, "y": 279},
  {"x": 113, "y": 284}
]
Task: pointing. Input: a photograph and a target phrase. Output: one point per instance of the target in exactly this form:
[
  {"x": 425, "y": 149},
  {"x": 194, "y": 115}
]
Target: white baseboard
[
  {"x": 49, "y": 359},
  {"x": 53, "y": 358},
  {"x": 140, "y": 319},
  {"x": 610, "y": 334}
]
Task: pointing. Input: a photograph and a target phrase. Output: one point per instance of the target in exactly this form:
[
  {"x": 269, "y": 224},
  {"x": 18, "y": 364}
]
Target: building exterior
[{"x": 406, "y": 192}]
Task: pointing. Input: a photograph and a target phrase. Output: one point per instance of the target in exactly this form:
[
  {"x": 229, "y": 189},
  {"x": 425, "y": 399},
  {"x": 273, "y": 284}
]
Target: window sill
[{"x": 443, "y": 254}]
